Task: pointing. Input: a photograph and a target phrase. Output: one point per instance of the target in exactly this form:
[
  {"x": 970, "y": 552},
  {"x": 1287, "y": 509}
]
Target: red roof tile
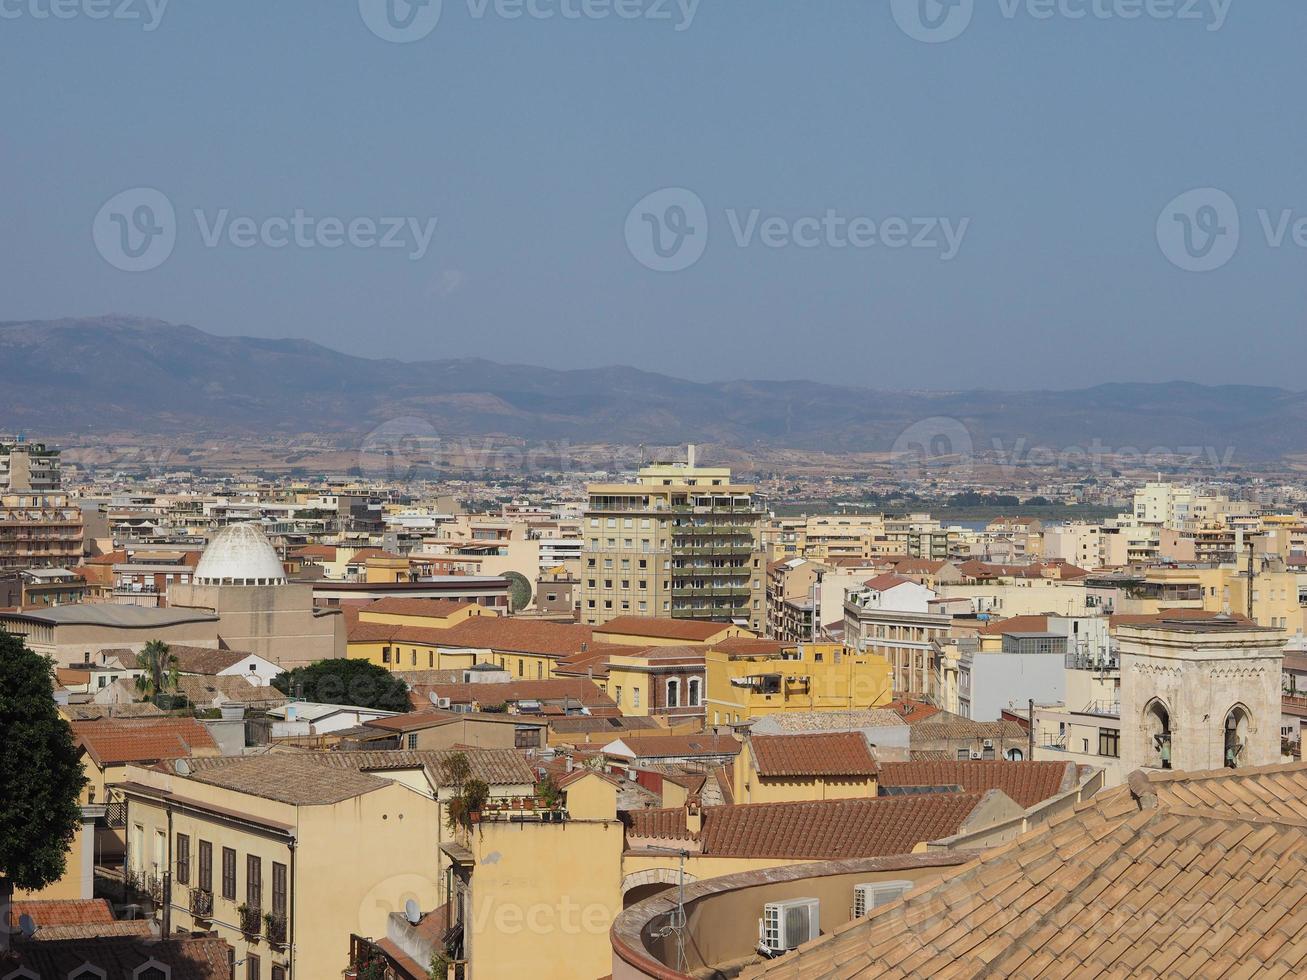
[
  {"x": 1027, "y": 783},
  {"x": 113, "y": 741},
  {"x": 821, "y": 754}
]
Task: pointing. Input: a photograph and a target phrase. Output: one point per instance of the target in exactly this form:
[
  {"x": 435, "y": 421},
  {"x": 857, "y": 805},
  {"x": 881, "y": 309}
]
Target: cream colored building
[{"x": 683, "y": 542}]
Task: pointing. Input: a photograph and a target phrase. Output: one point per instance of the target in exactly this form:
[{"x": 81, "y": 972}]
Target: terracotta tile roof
[
  {"x": 204, "y": 689},
  {"x": 315, "y": 551},
  {"x": 400, "y": 606},
  {"x": 604, "y": 727},
  {"x": 497, "y": 767},
  {"x": 113, "y": 741},
  {"x": 297, "y": 779},
  {"x": 1015, "y": 624},
  {"x": 576, "y": 689},
  {"x": 1135, "y": 882},
  {"x": 912, "y": 711},
  {"x": 507, "y": 635},
  {"x": 120, "y": 958},
  {"x": 947, "y": 726},
  {"x": 366, "y": 554},
  {"x": 205, "y": 660},
  {"x": 95, "y": 930},
  {"x": 91, "y": 711},
  {"x": 798, "y": 722},
  {"x": 822, "y": 754},
  {"x": 69, "y": 912},
  {"x": 817, "y": 830},
  {"x": 1027, "y": 783},
  {"x": 662, "y": 627},
  {"x": 887, "y": 581},
  {"x": 682, "y": 746}
]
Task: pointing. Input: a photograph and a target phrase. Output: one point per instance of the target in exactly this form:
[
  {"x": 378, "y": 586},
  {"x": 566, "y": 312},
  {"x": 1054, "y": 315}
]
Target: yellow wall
[
  {"x": 355, "y": 862},
  {"x": 749, "y": 787},
  {"x": 841, "y": 680},
  {"x": 542, "y": 907}
]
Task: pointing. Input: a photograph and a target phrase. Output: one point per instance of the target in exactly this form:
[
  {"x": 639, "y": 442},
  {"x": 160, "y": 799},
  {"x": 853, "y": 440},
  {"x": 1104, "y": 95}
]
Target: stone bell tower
[{"x": 1200, "y": 694}]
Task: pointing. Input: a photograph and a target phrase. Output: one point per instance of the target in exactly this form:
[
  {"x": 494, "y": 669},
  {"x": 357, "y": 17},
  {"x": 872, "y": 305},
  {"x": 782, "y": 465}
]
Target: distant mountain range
[{"x": 117, "y": 373}]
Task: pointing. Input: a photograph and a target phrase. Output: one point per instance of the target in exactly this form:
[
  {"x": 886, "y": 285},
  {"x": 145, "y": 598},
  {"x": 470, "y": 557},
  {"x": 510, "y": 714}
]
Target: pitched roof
[
  {"x": 887, "y": 581},
  {"x": 494, "y": 766},
  {"x": 815, "y": 830},
  {"x": 1027, "y": 783},
  {"x": 120, "y": 958},
  {"x": 113, "y": 741},
  {"x": 69, "y": 912},
  {"x": 1170, "y": 615},
  {"x": 794, "y": 722},
  {"x": 576, "y": 689},
  {"x": 206, "y": 660},
  {"x": 518, "y": 635},
  {"x": 401, "y": 606},
  {"x": 95, "y": 930},
  {"x": 1015, "y": 624},
  {"x": 947, "y": 726},
  {"x": 681, "y": 746},
  {"x": 663, "y": 627},
  {"x": 820, "y": 754},
  {"x": 1143, "y": 880},
  {"x": 285, "y": 777}
]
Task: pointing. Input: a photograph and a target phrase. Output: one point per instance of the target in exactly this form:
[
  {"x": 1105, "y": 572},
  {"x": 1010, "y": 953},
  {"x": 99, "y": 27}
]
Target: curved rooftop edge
[{"x": 633, "y": 929}]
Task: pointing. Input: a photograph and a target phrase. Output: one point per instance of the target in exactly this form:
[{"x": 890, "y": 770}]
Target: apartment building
[
  {"x": 39, "y": 529},
  {"x": 28, "y": 466},
  {"x": 280, "y": 856},
  {"x": 891, "y": 617},
  {"x": 683, "y": 541}
]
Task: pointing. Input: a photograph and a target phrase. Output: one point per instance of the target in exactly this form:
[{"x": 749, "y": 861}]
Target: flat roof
[{"x": 111, "y": 614}]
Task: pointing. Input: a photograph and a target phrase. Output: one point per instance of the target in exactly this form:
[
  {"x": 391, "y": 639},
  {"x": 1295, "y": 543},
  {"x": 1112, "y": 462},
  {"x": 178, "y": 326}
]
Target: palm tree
[{"x": 159, "y": 668}]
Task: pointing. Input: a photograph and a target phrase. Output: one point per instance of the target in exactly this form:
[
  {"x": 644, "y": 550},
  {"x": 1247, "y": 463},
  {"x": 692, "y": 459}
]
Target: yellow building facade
[{"x": 806, "y": 677}]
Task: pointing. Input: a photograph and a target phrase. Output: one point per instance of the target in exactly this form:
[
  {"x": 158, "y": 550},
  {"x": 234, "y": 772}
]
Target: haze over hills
[{"x": 101, "y": 374}]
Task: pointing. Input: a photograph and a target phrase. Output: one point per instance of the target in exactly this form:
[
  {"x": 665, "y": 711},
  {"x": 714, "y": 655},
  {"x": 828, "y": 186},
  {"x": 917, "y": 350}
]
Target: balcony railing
[
  {"x": 251, "y": 919},
  {"x": 1103, "y": 708},
  {"x": 201, "y": 903},
  {"x": 275, "y": 928}
]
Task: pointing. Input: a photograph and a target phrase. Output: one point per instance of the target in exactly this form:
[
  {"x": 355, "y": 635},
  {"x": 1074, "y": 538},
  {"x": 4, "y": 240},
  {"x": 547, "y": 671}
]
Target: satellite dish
[
  {"x": 433, "y": 698},
  {"x": 412, "y": 912},
  {"x": 26, "y": 926},
  {"x": 182, "y": 767}
]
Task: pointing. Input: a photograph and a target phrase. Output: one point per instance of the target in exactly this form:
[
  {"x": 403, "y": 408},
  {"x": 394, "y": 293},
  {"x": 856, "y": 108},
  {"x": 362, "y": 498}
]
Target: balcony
[
  {"x": 1103, "y": 709},
  {"x": 275, "y": 928},
  {"x": 201, "y": 903},
  {"x": 251, "y": 920}
]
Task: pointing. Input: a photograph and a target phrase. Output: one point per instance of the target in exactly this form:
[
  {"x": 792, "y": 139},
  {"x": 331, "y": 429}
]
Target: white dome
[{"x": 240, "y": 555}]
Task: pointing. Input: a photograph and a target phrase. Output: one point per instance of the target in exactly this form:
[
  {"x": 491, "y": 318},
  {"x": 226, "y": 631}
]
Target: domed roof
[{"x": 240, "y": 555}]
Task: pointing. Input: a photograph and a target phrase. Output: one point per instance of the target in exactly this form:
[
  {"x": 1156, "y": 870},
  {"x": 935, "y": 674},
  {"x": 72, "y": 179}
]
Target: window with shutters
[
  {"x": 183, "y": 859},
  {"x": 251, "y": 967},
  {"x": 229, "y": 873},
  {"x": 206, "y": 866},
  {"x": 253, "y": 881},
  {"x": 278, "y": 888}
]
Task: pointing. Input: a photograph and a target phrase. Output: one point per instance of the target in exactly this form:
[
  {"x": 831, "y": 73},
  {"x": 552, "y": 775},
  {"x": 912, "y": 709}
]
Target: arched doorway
[
  {"x": 1157, "y": 735},
  {"x": 1238, "y": 725}
]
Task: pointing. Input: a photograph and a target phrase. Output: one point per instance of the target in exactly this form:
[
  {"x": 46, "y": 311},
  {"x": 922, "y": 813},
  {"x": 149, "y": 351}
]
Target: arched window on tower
[
  {"x": 1237, "y": 726},
  {"x": 1157, "y": 735}
]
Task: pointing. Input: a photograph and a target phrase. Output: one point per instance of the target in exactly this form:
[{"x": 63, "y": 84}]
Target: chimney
[
  {"x": 691, "y": 454},
  {"x": 693, "y": 815}
]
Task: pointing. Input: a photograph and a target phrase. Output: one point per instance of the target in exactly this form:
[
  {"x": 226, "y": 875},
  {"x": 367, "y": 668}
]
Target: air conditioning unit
[
  {"x": 442, "y": 702},
  {"x": 873, "y": 894},
  {"x": 787, "y": 925},
  {"x": 989, "y": 743},
  {"x": 975, "y": 754}
]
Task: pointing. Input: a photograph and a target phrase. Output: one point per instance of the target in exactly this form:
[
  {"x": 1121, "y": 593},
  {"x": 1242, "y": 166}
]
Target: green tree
[
  {"x": 41, "y": 775},
  {"x": 160, "y": 670},
  {"x": 519, "y": 591},
  {"x": 358, "y": 683}
]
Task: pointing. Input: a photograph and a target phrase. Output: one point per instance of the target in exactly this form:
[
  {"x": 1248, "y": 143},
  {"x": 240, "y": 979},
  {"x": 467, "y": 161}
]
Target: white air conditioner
[
  {"x": 975, "y": 754},
  {"x": 873, "y": 894},
  {"x": 788, "y": 925},
  {"x": 442, "y": 702},
  {"x": 989, "y": 743}
]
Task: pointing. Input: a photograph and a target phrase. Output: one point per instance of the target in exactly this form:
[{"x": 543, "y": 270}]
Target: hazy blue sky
[{"x": 1053, "y": 144}]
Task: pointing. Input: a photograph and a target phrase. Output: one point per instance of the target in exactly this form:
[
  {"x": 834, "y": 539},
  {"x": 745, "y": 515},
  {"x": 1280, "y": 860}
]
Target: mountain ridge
[{"x": 120, "y": 372}]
